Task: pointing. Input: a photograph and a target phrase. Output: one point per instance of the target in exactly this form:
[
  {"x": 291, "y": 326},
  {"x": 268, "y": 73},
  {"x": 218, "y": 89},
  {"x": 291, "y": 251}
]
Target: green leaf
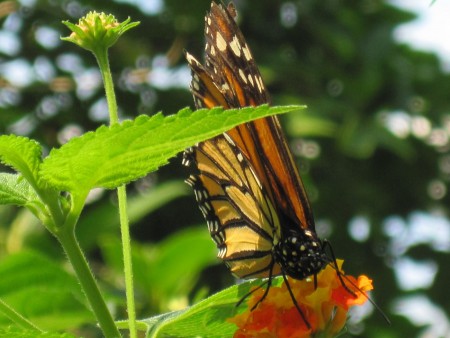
[
  {"x": 22, "y": 154},
  {"x": 112, "y": 156},
  {"x": 42, "y": 291},
  {"x": 14, "y": 189}
]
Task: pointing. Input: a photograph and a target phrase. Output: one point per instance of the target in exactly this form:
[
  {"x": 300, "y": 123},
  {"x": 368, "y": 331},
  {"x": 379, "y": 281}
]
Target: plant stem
[
  {"x": 66, "y": 237},
  {"x": 17, "y": 317},
  {"x": 102, "y": 59},
  {"x": 127, "y": 259}
]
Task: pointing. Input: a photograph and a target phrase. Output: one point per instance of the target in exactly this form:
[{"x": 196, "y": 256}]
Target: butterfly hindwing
[{"x": 240, "y": 216}]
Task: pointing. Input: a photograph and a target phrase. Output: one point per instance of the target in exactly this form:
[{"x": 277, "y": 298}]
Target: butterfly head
[{"x": 301, "y": 254}]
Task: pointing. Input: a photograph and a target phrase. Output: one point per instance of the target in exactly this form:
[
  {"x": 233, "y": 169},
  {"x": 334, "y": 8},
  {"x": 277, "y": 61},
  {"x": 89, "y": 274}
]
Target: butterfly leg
[
  {"x": 308, "y": 325},
  {"x": 249, "y": 293}
]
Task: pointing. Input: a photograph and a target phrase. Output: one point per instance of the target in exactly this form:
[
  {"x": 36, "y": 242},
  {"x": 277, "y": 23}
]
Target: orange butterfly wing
[
  {"x": 235, "y": 75},
  {"x": 248, "y": 189}
]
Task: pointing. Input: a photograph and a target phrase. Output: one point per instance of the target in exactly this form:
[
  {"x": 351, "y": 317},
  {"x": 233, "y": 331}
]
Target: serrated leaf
[
  {"x": 14, "y": 189},
  {"x": 22, "y": 154},
  {"x": 112, "y": 156}
]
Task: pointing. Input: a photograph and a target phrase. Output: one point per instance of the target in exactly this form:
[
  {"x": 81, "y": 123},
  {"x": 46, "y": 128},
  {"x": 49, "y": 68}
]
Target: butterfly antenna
[{"x": 342, "y": 277}]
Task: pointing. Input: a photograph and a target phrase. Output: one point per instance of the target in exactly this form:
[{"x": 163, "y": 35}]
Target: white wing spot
[
  {"x": 195, "y": 85},
  {"x": 259, "y": 83},
  {"x": 229, "y": 139},
  {"x": 256, "y": 178},
  {"x": 212, "y": 51},
  {"x": 242, "y": 75},
  {"x": 250, "y": 79},
  {"x": 203, "y": 209},
  {"x": 198, "y": 102},
  {"x": 247, "y": 53},
  {"x": 191, "y": 59},
  {"x": 220, "y": 42},
  {"x": 205, "y": 194},
  {"x": 236, "y": 46}
]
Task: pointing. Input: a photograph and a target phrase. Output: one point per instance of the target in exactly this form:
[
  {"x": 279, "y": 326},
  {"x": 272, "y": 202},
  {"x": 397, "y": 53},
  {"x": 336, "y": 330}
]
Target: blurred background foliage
[{"x": 373, "y": 151}]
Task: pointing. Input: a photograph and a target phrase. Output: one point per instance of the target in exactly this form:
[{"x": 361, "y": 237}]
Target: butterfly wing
[
  {"x": 248, "y": 189},
  {"x": 232, "y": 69}
]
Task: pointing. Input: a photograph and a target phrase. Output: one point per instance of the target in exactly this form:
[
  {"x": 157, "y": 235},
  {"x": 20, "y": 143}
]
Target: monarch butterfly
[{"x": 248, "y": 187}]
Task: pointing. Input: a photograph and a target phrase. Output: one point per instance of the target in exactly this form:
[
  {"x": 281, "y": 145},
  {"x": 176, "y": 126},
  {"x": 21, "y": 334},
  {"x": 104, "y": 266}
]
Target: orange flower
[{"x": 325, "y": 307}]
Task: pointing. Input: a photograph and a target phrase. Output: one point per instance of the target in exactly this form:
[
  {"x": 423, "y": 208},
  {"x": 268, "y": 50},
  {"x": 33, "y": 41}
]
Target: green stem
[
  {"x": 17, "y": 317},
  {"x": 127, "y": 259},
  {"x": 66, "y": 237},
  {"x": 102, "y": 59}
]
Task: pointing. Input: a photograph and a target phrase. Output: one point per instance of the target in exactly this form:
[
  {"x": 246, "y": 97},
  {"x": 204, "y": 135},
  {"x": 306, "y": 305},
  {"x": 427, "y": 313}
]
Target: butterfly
[{"x": 248, "y": 187}]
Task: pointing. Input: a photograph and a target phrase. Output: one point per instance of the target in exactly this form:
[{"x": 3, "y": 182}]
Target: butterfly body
[
  {"x": 300, "y": 254},
  {"x": 248, "y": 187}
]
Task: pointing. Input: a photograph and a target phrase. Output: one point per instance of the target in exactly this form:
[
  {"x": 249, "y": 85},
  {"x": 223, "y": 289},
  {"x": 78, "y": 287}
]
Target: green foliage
[
  {"x": 22, "y": 154},
  {"x": 339, "y": 58},
  {"x": 43, "y": 291},
  {"x": 14, "y": 189},
  {"x": 108, "y": 158}
]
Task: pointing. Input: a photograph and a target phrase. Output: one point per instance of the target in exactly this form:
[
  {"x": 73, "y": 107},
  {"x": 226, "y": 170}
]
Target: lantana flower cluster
[{"x": 325, "y": 307}]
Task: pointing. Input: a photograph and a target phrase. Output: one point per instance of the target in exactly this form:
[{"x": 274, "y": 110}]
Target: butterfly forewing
[
  {"x": 234, "y": 71},
  {"x": 230, "y": 62}
]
